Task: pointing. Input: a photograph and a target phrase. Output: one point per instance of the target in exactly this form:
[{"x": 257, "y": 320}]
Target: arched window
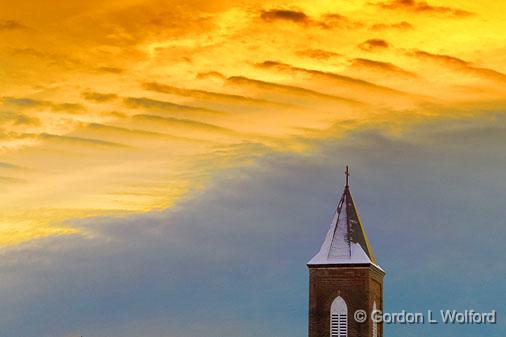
[
  {"x": 374, "y": 323},
  {"x": 339, "y": 318}
]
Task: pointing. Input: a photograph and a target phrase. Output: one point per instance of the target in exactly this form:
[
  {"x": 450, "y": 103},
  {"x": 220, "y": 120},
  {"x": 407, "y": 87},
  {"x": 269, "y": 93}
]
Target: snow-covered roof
[{"x": 346, "y": 241}]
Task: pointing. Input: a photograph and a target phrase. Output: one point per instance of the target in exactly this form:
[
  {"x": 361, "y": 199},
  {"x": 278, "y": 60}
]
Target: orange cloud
[
  {"x": 61, "y": 59},
  {"x": 112, "y": 70},
  {"x": 61, "y": 140},
  {"x": 343, "y": 80},
  {"x": 190, "y": 129},
  {"x": 348, "y": 88},
  {"x": 423, "y": 7},
  {"x": 327, "y": 21},
  {"x": 288, "y": 90},
  {"x": 285, "y": 15},
  {"x": 10, "y": 180},
  {"x": 8, "y": 166},
  {"x": 380, "y": 66},
  {"x": 28, "y": 52},
  {"x": 403, "y": 25},
  {"x": 205, "y": 95},
  {"x": 336, "y": 20},
  {"x": 29, "y": 103},
  {"x": 374, "y": 44},
  {"x": 16, "y": 118},
  {"x": 319, "y": 54},
  {"x": 445, "y": 59},
  {"x": 459, "y": 64},
  {"x": 11, "y": 25},
  {"x": 211, "y": 74},
  {"x": 165, "y": 107},
  {"x": 98, "y": 97}
]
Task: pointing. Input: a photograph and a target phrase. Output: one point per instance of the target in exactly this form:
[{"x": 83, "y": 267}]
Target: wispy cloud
[
  {"x": 17, "y": 118},
  {"x": 48, "y": 58},
  {"x": 60, "y": 139},
  {"x": 98, "y": 97},
  {"x": 4, "y": 165},
  {"x": 337, "y": 20},
  {"x": 164, "y": 106},
  {"x": 30, "y": 103},
  {"x": 183, "y": 122},
  {"x": 211, "y": 74},
  {"x": 189, "y": 129},
  {"x": 287, "y": 89},
  {"x": 205, "y": 95},
  {"x": 28, "y": 52},
  {"x": 459, "y": 64},
  {"x": 86, "y": 70},
  {"x": 403, "y": 26},
  {"x": 319, "y": 54},
  {"x": 423, "y": 7},
  {"x": 10, "y": 180},
  {"x": 337, "y": 78},
  {"x": 214, "y": 111},
  {"x": 111, "y": 70},
  {"x": 326, "y": 21},
  {"x": 6, "y": 25},
  {"x": 361, "y": 63},
  {"x": 374, "y": 45},
  {"x": 129, "y": 135},
  {"x": 286, "y": 15},
  {"x": 137, "y": 264}
]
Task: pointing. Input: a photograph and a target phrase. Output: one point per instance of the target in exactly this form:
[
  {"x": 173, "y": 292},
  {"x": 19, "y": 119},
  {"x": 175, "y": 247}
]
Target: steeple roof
[{"x": 346, "y": 241}]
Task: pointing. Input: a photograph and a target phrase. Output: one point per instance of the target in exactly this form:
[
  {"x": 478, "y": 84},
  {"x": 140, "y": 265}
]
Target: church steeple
[
  {"x": 344, "y": 277},
  {"x": 346, "y": 241}
]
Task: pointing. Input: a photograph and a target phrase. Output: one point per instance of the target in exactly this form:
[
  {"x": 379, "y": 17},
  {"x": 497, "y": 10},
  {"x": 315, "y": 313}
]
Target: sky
[{"x": 168, "y": 168}]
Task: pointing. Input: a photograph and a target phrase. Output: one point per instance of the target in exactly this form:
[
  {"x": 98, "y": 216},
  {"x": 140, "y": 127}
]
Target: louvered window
[
  {"x": 339, "y": 318},
  {"x": 374, "y": 323}
]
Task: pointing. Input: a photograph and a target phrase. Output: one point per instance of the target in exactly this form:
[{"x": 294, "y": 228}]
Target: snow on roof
[{"x": 346, "y": 241}]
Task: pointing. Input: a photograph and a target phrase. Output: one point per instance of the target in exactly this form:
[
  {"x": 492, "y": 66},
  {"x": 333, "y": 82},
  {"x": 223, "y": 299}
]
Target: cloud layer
[
  {"x": 224, "y": 254},
  {"x": 131, "y": 130}
]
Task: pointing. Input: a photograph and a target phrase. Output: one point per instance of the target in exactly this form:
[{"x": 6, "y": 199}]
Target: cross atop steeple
[{"x": 347, "y": 173}]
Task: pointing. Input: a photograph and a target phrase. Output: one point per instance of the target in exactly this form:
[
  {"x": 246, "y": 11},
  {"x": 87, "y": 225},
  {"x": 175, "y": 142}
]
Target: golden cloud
[
  {"x": 374, "y": 44},
  {"x": 403, "y": 25},
  {"x": 423, "y": 7},
  {"x": 126, "y": 106}
]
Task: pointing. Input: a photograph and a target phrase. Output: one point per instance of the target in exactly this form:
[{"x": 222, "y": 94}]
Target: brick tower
[{"x": 344, "y": 277}]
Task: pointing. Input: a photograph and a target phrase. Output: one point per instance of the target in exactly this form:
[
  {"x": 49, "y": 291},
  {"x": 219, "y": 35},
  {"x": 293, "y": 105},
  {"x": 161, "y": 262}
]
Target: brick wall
[{"x": 359, "y": 286}]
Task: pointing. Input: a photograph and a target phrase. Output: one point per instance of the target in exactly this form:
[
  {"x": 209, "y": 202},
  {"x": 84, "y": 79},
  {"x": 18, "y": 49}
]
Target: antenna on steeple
[{"x": 347, "y": 173}]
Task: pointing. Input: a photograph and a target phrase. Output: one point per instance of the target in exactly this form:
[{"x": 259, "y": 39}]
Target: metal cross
[{"x": 347, "y": 172}]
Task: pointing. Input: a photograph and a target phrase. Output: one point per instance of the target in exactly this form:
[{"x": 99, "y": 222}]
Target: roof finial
[{"x": 347, "y": 173}]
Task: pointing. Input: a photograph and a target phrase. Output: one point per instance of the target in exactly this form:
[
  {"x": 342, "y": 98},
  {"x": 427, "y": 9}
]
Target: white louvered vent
[
  {"x": 339, "y": 318},
  {"x": 374, "y": 323}
]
